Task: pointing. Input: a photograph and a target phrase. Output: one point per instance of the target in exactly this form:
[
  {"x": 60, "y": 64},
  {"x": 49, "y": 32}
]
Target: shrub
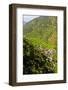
[{"x": 35, "y": 61}]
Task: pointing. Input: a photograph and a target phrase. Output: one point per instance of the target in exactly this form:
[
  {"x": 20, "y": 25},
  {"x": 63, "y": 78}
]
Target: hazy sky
[{"x": 28, "y": 18}]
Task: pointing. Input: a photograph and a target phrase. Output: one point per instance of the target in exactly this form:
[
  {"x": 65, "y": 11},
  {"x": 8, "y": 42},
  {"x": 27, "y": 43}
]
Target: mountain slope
[{"x": 42, "y": 31}]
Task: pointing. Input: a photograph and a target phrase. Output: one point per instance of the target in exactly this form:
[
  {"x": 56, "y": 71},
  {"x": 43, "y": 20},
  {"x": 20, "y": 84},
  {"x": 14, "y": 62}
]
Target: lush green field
[{"x": 40, "y": 45}]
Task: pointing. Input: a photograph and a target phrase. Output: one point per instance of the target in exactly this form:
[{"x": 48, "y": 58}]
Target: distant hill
[{"x": 42, "y": 31}]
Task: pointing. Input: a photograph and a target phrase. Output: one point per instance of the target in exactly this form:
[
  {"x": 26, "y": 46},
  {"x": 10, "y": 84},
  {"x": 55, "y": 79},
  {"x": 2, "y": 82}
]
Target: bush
[{"x": 35, "y": 61}]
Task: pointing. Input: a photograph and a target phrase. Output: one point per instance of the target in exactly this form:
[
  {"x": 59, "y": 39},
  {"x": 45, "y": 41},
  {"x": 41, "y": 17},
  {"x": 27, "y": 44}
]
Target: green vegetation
[{"x": 40, "y": 46}]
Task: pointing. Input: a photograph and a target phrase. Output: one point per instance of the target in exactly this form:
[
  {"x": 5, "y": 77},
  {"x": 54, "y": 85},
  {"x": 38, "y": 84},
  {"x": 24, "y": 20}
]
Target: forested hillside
[{"x": 40, "y": 45}]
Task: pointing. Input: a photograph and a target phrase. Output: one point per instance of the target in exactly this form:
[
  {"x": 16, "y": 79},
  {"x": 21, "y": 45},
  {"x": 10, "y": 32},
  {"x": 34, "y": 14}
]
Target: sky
[{"x": 28, "y": 18}]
